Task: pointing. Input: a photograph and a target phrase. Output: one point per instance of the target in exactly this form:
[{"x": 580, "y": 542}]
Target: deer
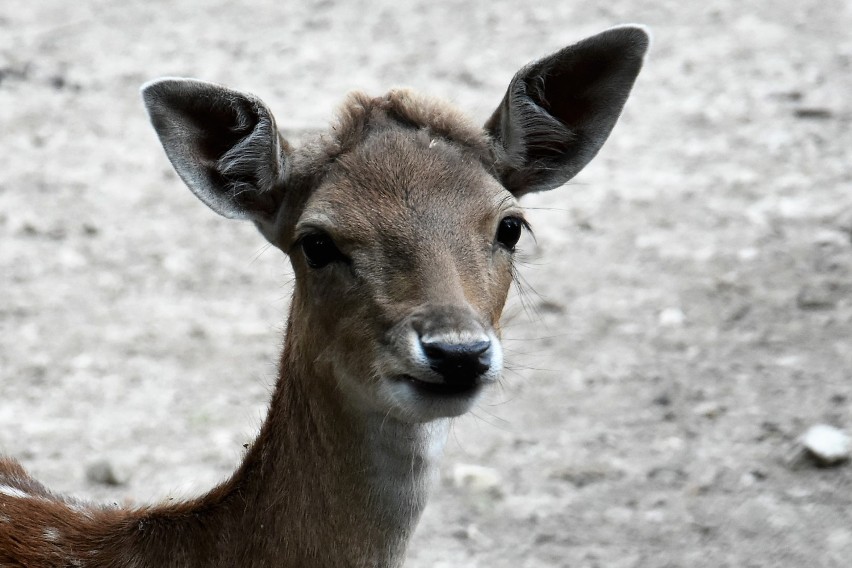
[{"x": 401, "y": 224}]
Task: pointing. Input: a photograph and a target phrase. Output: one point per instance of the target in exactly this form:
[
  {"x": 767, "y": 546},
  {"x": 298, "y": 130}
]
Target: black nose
[{"x": 458, "y": 363}]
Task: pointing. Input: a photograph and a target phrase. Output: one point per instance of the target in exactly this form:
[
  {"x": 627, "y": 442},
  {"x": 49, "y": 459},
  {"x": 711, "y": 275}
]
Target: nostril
[{"x": 458, "y": 361}]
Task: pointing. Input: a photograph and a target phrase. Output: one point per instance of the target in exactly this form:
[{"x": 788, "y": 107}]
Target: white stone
[
  {"x": 708, "y": 409},
  {"x": 672, "y": 317},
  {"x": 826, "y": 443},
  {"x": 747, "y": 254},
  {"x": 831, "y": 237},
  {"x": 476, "y": 478}
]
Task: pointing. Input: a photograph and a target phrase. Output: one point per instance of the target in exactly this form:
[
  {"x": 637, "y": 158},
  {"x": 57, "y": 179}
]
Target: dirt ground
[{"x": 689, "y": 303}]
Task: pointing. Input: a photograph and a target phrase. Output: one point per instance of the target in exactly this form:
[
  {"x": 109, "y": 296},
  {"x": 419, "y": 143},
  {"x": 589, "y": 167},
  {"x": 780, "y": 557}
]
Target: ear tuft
[
  {"x": 558, "y": 111},
  {"x": 224, "y": 145}
]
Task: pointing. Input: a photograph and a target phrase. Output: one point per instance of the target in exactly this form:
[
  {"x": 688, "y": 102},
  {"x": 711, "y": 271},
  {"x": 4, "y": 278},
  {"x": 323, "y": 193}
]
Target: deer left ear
[
  {"x": 558, "y": 111},
  {"x": 224, "y": 145}
]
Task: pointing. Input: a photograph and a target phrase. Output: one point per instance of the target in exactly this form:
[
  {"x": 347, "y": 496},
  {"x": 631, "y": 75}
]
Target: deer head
[{"x": 401, "y": 221}]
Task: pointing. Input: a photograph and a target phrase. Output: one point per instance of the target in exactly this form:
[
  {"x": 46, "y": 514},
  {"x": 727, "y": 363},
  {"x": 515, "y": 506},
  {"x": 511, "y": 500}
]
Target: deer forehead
[{"x": 403, "y": 185}]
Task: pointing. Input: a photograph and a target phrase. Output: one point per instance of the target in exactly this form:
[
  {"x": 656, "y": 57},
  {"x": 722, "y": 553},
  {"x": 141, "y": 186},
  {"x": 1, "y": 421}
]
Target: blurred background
[{"x": 687, "y": 307}]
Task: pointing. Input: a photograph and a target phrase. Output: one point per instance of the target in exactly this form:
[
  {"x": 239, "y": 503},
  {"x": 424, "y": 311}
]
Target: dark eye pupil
[
  {"x": 319, "y": 250},
  {"x": 509, "y": 232}
]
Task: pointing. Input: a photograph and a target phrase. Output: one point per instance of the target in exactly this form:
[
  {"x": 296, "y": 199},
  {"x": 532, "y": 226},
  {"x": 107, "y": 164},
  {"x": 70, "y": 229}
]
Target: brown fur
[{"x": 361, "y": 114}]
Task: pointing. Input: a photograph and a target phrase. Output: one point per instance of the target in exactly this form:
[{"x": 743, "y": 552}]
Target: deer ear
[
  {"x": 224, "y": 145},
  {"x": 559, "y": 110}
]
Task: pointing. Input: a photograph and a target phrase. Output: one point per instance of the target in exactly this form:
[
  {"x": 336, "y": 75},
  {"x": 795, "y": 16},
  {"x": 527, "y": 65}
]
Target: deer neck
[{"x": 326, "y": 483}]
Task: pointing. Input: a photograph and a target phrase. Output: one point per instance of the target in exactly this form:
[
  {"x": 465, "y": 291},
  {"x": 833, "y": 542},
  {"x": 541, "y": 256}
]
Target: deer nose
[{"x": 459, "y": 363}]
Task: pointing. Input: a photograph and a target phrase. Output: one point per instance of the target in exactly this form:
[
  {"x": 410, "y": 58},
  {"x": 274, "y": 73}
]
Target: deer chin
[
  {"x": 423, "y": 397},
  {"x": 415, "y": 400},
  {"x": 412, "y": 395}
]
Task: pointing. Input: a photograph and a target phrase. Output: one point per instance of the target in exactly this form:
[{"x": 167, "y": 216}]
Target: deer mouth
[{"x": 446, "y": 388}]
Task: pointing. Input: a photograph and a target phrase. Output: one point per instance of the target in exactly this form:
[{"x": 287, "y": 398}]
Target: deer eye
[
  {"x": 509, "y": 231},
  {"x": 320, "y": 250}
]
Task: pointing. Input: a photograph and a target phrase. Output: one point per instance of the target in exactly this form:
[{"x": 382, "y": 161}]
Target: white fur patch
[
  {"x": 455, "y": 337},
  {"x": 9, "y": 491},
  {"x": 81, "y": 508},
  {"x": 52, "y": 534}
]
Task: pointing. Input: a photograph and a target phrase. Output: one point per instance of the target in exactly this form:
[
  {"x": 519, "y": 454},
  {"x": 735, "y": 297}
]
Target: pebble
[
  {"x": 671, "y": 317},
  {"x": 709, "y": 409},
  {"x": 831, "y": 238},
  {"x": 476, "y": 478},
  {"x": 826, "y": 444},
  {"x": 813, "y": 113},
  {"x": 472, "y": 533},
  {"x": 103, "y": 473},
  {"x": 748, "y": 254},
  {"x": 817, "y": 296}
]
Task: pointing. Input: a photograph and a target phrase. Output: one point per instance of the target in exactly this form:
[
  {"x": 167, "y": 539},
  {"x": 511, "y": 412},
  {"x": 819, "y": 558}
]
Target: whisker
[
  {"x": 260, "y": 252},
  {"x": 500, "y": 423}
]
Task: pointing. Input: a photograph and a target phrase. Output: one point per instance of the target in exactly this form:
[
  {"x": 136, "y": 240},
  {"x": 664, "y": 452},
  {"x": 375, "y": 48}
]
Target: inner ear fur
[
  {"x": 224, "y": 144},
  {"x": 558, "y": 111}
]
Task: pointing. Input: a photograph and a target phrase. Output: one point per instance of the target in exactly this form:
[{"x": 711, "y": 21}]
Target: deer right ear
[
  {"x": 223, "y": 144},
  {"x": 559, "y": 110}
]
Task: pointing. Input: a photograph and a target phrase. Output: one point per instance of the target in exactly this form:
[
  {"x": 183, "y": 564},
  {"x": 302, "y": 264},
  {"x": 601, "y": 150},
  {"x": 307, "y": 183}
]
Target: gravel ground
[{"x": 687, "y": 309}]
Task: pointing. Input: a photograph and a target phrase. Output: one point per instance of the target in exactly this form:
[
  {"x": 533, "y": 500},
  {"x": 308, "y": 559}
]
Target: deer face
[
  {"x": 403, "y": 260},
  {"x": 402, "y": 222}
]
